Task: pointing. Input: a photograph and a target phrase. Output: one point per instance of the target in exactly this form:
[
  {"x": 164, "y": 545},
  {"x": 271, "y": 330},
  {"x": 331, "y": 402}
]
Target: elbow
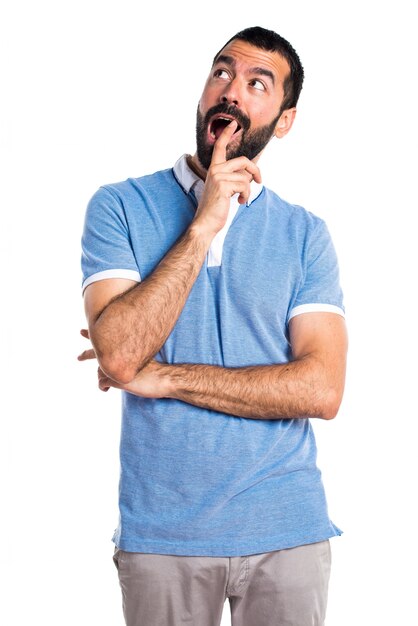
[
  {"x": 329, "y": 413},
  {"x": 330, "y": 404},
  {"x": 117, "y": 369},
  {"x": 113, "y": 360}
]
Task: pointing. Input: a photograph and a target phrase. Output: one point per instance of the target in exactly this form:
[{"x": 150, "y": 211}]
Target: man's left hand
[
  {"x": 87, "y": 354},
  {"x": 150, "y": 382}
]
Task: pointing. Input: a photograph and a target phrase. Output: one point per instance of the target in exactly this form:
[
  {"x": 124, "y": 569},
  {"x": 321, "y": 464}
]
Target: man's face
[{"x": 245, "y": 84}]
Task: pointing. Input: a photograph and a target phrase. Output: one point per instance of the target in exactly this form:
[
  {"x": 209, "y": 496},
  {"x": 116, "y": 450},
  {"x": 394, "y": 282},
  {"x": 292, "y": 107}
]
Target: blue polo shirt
[{"x": 195, "y": 481}]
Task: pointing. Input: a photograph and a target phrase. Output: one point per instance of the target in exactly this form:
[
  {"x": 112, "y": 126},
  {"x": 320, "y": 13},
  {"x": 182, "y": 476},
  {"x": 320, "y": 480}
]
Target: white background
[{"x": 99, "y": 91}]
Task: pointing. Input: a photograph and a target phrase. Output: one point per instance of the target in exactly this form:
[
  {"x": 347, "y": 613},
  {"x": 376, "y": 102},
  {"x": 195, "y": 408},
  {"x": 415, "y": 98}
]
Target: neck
[{"x": 194, "y": 164}]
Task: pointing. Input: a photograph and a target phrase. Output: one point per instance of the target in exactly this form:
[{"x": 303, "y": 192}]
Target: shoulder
[
  {"x": 295, "y": 214},
  {"x": 156, "y": 180},
  {"x": 125, "y": 196}
]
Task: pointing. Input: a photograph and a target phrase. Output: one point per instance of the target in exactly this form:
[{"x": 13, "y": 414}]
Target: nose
[{"x": 232, "y": 93}]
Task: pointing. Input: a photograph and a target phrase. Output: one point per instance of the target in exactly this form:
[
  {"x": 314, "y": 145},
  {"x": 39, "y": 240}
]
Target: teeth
[{"x": 226, "y": 119}]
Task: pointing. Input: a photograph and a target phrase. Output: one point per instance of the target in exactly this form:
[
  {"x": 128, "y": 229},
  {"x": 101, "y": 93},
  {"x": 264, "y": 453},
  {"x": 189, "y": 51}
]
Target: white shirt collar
[{"x": 191, "y": 181}]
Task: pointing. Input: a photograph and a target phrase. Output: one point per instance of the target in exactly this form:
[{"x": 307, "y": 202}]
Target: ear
[{"x": 285, "y": 122}]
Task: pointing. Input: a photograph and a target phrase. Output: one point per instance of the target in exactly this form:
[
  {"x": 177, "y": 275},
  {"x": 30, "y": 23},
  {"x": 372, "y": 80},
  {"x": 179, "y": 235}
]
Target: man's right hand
[{"x": 223, "y": 180}]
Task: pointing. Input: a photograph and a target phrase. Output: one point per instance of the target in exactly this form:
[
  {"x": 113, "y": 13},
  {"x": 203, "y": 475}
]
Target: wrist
[
  {"x": 170, "y": 382},
  {"x": 201, "y": 230}
]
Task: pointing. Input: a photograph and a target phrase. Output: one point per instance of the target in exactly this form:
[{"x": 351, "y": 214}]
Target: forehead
[{"x": 247, "y": 57}]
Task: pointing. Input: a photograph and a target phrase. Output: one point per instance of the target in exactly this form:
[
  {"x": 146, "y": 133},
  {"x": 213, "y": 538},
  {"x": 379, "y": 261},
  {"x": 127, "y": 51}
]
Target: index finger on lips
[{"x": 219, "y": 149}]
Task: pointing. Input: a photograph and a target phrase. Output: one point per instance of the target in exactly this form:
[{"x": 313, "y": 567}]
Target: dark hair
[{"x": 271, "y": 41}]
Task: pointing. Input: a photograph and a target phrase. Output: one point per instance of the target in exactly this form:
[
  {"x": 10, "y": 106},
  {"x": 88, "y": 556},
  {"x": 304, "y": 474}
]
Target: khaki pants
[{"x": 282, "y": 588}]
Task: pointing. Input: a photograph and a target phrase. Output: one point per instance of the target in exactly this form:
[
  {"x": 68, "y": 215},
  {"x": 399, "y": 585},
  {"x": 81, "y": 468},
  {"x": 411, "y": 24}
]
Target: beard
[{"x": 252, "y": 141}]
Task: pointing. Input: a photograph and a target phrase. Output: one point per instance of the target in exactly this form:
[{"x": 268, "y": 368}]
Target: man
[{"x": 216, "y": 307}]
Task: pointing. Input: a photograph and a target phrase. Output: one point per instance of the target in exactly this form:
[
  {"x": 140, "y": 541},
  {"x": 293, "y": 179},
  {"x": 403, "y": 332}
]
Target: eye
[
  {"x": 257, "y": 84},
  {"x": 221, "y": 74}
]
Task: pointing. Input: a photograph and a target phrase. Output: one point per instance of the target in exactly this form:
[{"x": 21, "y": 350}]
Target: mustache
[{"x": 229, "y": 109}]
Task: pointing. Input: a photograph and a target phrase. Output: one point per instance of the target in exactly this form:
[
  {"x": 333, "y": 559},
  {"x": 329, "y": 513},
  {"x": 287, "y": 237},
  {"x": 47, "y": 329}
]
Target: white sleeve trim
[
  {"x": 129, "y": 274},
  {"x": 316, "y": 308}
]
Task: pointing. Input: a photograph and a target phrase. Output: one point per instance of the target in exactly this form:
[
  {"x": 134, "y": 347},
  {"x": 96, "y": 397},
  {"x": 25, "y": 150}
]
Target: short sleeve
[
  {"x": 106, "y": 245},
  {"x": 320, "y": 289}
]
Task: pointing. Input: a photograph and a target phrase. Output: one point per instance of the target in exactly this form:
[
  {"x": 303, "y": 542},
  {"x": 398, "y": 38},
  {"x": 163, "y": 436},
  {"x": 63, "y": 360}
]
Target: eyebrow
[{"x": 261, "y": 71}]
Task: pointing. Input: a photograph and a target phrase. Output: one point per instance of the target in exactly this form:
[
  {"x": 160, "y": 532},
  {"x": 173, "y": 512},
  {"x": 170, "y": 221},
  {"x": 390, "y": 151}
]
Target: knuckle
[{"x": 244, "y": 161}]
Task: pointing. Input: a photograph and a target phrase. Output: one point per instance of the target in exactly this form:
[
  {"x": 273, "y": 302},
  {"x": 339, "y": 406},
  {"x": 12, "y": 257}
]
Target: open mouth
[{"x": 218, "y": 125}]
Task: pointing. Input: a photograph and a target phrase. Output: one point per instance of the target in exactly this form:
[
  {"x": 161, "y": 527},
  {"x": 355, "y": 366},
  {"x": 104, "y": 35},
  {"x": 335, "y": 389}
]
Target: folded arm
[{"x": 311, "y": 385}]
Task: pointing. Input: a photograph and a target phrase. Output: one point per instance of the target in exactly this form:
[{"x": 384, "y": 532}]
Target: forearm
[
  {"x": 134, "y": 326},
  {"x": 295, "y": 390}
]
